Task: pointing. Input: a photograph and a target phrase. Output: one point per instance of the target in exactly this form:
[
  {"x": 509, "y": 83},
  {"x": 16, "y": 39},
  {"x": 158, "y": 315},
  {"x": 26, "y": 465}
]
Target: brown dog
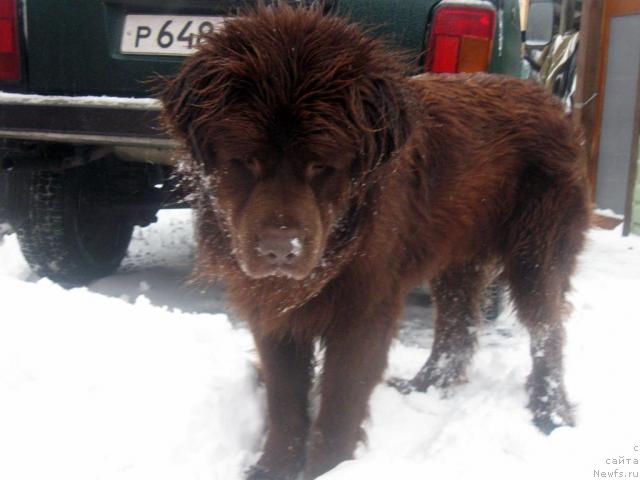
[{"x": 328, "y": 184}]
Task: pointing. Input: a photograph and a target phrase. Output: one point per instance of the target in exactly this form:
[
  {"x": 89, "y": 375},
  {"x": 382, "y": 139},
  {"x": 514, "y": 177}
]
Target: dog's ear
[
  {"x": 178, "y": 96},
  {"x": 192, "y": 98},
  {"x": 384, "y": 121},
  {"x": 387, "y": 113}
]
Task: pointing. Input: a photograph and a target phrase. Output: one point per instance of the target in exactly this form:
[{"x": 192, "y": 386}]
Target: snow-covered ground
[{"x": 141, "y": 377}]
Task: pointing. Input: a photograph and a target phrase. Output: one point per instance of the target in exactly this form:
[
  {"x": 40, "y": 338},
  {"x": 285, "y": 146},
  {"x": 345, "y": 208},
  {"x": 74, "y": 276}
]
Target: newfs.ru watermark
[{"x": 623, "y": 466}]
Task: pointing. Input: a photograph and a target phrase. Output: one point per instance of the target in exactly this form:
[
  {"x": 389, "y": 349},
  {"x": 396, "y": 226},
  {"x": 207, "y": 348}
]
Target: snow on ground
[{"x": 139, "y": 376}]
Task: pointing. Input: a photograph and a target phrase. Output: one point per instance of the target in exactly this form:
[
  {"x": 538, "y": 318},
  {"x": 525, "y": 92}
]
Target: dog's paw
[
  {"x": 549, "y": 414},
  {"x": 548, "y": 419},
  {"x": 261, "y": 472},
  {"x": 442, "y": 374},
  {"x": 401, "y": 385},
  {"x": 442, "y": 379},
  {"x": 287, "y": 467},
  {"x": 550, "y": 407}
]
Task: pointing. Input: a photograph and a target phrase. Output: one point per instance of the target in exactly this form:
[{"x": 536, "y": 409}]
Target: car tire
[
  {"x": 65, "y": 229},
  {"x": 3, "y": 200},
  {"x": 4, "y": 214}
]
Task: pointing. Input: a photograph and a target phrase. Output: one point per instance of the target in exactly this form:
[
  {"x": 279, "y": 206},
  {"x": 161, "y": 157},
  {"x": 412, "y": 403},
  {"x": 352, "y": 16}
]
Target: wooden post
[
  {"x": 633, "y": 167},
  {"x": 585, "y": 109}
]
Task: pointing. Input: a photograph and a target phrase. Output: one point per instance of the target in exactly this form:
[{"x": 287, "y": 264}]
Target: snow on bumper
[{"x": 85, "y": 119}]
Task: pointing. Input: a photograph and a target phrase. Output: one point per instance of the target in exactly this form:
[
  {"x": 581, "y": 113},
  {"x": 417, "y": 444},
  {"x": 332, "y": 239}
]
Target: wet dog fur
[{"x": 328, "y": 184}]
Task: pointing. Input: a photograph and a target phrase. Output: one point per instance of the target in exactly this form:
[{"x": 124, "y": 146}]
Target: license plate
[{"x": 165, "y": 34}]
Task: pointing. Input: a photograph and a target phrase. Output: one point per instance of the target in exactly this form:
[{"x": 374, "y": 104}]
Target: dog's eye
[
  {"x": 316, "y": 169},
  {"x": 250, "y": 163}
]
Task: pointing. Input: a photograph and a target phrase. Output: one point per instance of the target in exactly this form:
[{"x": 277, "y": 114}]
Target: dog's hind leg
[
  {"x": 287, "y": 371},
  {"x": 458, "y": 294},
  {"x": 538, "y": 294},
  {"x": 542, "y": 249}
]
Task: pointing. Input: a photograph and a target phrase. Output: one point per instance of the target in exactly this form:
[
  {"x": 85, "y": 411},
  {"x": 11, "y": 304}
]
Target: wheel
[
  {"x": 4, "y": 215},
  {"x": 66, "y": 230}
]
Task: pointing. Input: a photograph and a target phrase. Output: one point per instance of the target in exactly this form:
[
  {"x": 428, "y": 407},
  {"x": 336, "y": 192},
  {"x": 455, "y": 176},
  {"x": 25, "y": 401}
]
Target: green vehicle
[{"x": 84, "y": 158}]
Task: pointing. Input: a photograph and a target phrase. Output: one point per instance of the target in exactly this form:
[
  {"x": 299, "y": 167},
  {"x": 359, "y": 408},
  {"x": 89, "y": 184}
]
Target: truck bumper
[{"x": 82, "y": 120}]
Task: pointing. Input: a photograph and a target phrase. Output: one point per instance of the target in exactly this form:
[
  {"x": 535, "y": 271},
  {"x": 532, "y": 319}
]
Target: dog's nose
[{"x": 280, "y": 246}]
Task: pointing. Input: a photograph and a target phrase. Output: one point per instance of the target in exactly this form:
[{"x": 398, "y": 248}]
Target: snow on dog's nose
[{"x": 280, "y": 247}]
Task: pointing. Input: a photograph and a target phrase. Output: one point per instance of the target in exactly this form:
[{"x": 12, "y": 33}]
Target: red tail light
[
  {"x": 9, "y": 44},
  {"x": 461, "y": 38}
]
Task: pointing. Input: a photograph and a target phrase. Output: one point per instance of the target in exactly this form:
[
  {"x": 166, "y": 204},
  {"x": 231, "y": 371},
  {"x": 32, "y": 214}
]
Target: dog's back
[{"x": 486, "y": 152}]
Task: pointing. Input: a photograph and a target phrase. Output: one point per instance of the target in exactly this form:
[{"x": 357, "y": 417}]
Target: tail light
[
  {"x": 460, "y": 39},
  {"x": 9, "y": 43}
]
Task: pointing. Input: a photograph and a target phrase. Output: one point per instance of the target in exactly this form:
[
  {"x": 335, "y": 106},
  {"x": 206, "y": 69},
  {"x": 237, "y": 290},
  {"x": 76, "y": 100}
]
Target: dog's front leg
[
  {"x": 355, "y": 358},
  {"x": 286, "y": 367}
]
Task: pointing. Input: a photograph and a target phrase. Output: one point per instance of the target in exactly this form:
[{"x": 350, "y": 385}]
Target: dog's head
[{"x": 288, "y": 116}]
